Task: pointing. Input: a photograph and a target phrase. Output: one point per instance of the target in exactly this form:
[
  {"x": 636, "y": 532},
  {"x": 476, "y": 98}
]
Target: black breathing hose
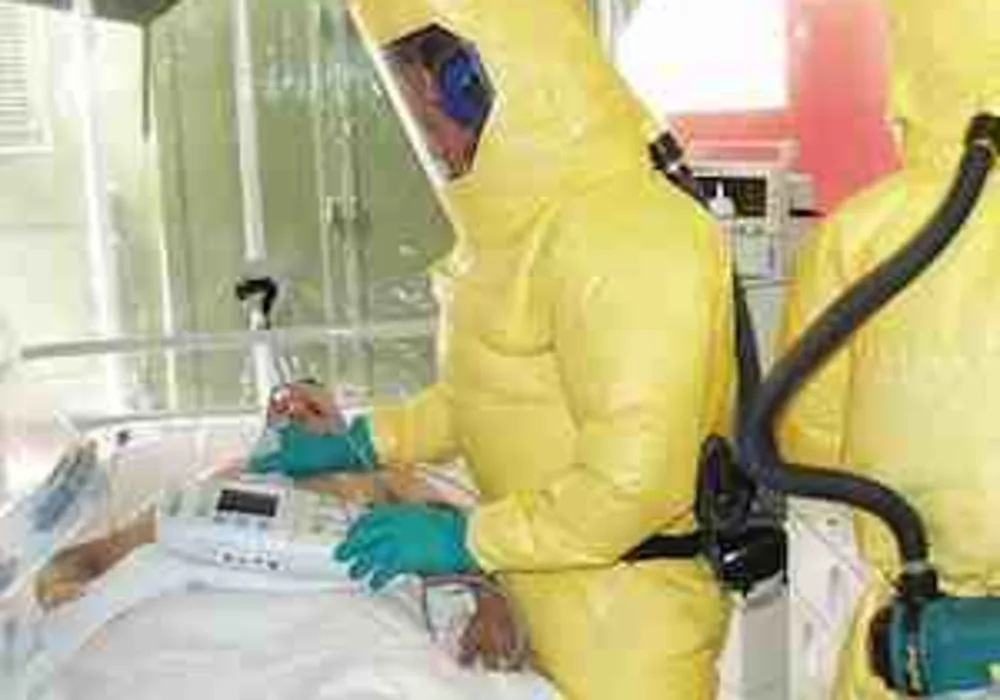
[{"x": 842, "y": 319}]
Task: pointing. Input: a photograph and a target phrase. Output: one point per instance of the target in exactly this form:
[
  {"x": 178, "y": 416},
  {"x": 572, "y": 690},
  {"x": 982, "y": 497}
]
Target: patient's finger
[
  {"x": 471, "y": 644},
  {"x": 502, "y": 645}
]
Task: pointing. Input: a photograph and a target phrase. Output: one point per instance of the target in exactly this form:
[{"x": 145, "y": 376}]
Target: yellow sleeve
[
  {"x": 418, "y": 430},
  {"x": 635, "y": 324},
  {"x": 811, "y": 430}
]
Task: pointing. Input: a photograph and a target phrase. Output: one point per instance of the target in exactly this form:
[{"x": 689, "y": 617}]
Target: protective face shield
[
  {"x": 508, "y": 108},
  {"x": 447, "y": 92}
]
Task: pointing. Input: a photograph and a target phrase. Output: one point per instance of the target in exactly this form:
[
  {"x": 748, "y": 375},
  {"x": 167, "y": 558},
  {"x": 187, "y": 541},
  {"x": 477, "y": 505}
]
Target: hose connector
[
  {"x": 666, "y": 153},
  {"x": 916, "y": 586},
  {"x": 984, "y": 132}
]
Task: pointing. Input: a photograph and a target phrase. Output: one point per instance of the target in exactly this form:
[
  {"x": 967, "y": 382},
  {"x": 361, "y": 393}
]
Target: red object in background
[{"x": 838, "y": 87}]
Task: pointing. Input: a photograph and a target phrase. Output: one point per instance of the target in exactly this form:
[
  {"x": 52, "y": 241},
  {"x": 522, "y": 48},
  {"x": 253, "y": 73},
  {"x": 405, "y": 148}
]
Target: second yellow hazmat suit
[
  {"x": 587, "y": 345},
  {"x": 914, "y": 399}
]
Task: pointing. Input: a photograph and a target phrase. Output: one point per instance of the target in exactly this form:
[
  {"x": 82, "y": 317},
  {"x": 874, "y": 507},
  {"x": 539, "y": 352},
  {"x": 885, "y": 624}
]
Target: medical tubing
[{"x": 828, "y": 333}]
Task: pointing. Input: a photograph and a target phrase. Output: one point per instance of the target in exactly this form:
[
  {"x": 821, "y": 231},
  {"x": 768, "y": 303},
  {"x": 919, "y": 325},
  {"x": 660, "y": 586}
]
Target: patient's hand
[{"x": 492, "y": 636}]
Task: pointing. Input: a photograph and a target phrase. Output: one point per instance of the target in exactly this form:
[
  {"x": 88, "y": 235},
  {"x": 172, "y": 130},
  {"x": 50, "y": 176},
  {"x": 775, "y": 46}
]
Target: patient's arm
[
  {"x": 65, "y": 578},
  {"x": 399, "y": 486},
  {"x": 68, "y": 574},
  {"x": 490, "y": 637},
  {"x": 71, "y": 570}
]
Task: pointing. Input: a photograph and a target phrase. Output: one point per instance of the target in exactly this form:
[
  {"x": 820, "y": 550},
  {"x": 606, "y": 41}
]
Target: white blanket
[
  {"x": 247, "y": 644},
  {"x": 257, "y": 646}
]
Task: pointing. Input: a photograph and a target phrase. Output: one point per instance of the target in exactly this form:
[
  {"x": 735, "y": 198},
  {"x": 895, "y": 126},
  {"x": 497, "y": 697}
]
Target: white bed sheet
[
  {"x": 230, "y": 644},
  {"x": 257, "y": 646}
]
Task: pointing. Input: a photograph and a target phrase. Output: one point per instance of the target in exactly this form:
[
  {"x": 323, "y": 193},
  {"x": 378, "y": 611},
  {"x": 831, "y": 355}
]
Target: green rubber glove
[
  {"x": 396, "y": 539},
  {"x": 291, "y": 449}
]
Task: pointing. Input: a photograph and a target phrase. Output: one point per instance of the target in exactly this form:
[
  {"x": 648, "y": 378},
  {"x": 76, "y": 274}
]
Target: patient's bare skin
[
  {"x": 491, "y": 635},
  {"x": 69, "y": 573}
]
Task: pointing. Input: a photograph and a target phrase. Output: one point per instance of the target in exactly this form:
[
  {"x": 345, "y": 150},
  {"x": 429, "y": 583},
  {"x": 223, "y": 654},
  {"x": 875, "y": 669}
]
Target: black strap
[
  {"x": 686, "y": 546},
  {"x": 668, "y": 158},
  {"x": 719, "y": 478}
]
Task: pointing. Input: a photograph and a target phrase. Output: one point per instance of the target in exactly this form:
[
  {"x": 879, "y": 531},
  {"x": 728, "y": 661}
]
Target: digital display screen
[{"x": 232, "y": 501}]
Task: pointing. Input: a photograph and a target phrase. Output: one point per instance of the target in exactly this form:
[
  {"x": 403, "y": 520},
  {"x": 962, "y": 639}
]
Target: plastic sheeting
[
  {"x": 344, "y": 219},
  {"x": 237, "y": 137}
]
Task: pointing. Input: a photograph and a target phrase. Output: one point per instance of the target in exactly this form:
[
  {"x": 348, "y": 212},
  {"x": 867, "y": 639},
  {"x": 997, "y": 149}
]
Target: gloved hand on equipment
[
  {"x": 392, "y": 540},
  {"x": 307, "y": 436}
]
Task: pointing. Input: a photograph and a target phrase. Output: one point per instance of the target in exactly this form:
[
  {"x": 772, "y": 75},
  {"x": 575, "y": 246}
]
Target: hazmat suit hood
[
  {"x": 946, "y": 69},
  {"x": 547, "y": 115}
]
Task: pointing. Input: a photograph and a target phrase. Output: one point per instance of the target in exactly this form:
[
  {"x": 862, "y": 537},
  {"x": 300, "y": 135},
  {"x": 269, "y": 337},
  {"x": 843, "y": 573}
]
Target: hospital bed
[
  {"x": 161, "y": 626},
  {"x": 165, "y": 633}
]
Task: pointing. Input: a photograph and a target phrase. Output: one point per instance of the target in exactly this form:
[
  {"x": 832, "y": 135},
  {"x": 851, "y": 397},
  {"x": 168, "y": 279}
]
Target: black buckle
[
  {"x": 742, "y": 553},
  {"x": 666, "y": 153}
]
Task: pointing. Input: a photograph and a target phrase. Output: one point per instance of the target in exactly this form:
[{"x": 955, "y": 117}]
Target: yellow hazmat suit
[
  {"x": 913, "y": 400},
  {"x": 587, "y": 349}
]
